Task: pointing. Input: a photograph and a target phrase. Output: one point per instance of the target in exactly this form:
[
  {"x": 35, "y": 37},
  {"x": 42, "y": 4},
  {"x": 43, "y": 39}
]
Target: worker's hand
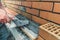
[{"x": 3, "y": 17}]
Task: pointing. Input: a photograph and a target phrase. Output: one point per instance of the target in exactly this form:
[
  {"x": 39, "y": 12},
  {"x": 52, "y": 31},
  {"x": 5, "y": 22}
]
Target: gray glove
[{"x": 20, "y": 22}]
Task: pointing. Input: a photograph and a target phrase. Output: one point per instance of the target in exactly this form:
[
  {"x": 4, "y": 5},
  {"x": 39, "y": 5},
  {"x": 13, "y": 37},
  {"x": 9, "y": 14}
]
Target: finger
[
  {"x": 2, "y": 20},
  {"x": 8, "y": 20},
  {"x": 5, "y": 21}
]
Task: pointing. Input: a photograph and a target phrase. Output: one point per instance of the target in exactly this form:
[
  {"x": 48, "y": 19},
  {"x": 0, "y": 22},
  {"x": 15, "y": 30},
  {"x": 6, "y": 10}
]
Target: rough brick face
[
  {"x": 40, "y": 38},
  {"x": 43, "y": 5},
  {"x": 54, "y": 17},
  {"x": 39, "y": 20},
  {"x": 32, "y": 0},
  {"x": 44, "y": 14},
  {"x": 33, "y": 11},
  {"x": 26, "y": 4},
  {"x": 57, "y": 7},
  {"x": 50, "y": 0},
  {"x": 50, "y": 16}
]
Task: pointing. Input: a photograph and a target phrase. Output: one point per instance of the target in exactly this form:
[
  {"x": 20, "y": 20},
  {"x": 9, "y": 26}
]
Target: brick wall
[{"x": 40, "y": 11}]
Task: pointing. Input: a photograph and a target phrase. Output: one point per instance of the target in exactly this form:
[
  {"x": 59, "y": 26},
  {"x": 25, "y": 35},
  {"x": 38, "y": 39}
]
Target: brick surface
[
  {"x": 44, "y": 14},
  {"x": 54, "y": 17},
  {"x": 50, "y": 30},
  {"x": 33, "y": 11},
  {"x": 24, "y": 3},
  {"x": 40, "y": 38},
  {"x": 57, "y": 7},
  {"x": 43, "y": 5},
  {"x": 18, "y": 2},
  {"x": 50, "y": 0},
  {"x": 50, "y": 16},
  {"x": 39, "y": 20},
  {"x": 32, "y": 0}
]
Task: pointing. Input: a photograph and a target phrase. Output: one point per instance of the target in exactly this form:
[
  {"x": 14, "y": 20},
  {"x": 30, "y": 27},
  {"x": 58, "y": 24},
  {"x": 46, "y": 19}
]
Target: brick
[
  {"x": 14, "y": 2},
  {"x": 33, "y": 11},
  {"x": 10, "y": 11},
  {"x": 24, "y": 3},
  {"x": 39, "y": 20},
  {"x": 50, "y": 30},
  {"x": 54, "y": 17},
  {"x": 43, "y": 5},
  {"x": 46, "y": 36},
  {"x": 57, "y": 7},
  {"x": 32, "y": 0},
  {"x": 26, "y": 15},
  {"x": 15, "y": 6},
  {"x": 50, "y": 16},
  {"x": 50, "y": 0},
  {"x": 40, "y": 38},
  {"x": 18, "y": 2},
  {"x": 44, "y": 14}
]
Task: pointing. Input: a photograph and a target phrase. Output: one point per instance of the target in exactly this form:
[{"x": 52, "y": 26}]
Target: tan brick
[
  {"x": 50, "y": 31},
  {"x": 46, "y": 35}
]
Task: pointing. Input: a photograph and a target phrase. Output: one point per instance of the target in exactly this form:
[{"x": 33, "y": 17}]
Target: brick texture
[
  {"x": 50, "y": 0},
  {"x": 44, "y": 14},
  {"x": 43, "y": 5},
  {"x": 40, "y": 38},
  {"x": 32, "y": 0},
  {"x": 39, "y": 20},
  {"x": 50, "y": 16},
  {"x": 54, "y": 17},
  {"x": 32, "y": 11},
  {"x": 57, "y": 7},
  {"x": 28, "y": 4}
]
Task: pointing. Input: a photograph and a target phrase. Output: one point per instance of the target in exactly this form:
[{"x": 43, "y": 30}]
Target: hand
[{"x": 3, "y": 17}]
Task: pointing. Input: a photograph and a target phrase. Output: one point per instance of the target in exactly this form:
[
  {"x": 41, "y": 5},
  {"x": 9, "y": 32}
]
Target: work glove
[{"x": 4, "y": 17}]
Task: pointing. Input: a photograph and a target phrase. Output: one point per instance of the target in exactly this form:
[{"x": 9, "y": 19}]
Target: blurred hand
[{"x": 3, "y": 17}]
